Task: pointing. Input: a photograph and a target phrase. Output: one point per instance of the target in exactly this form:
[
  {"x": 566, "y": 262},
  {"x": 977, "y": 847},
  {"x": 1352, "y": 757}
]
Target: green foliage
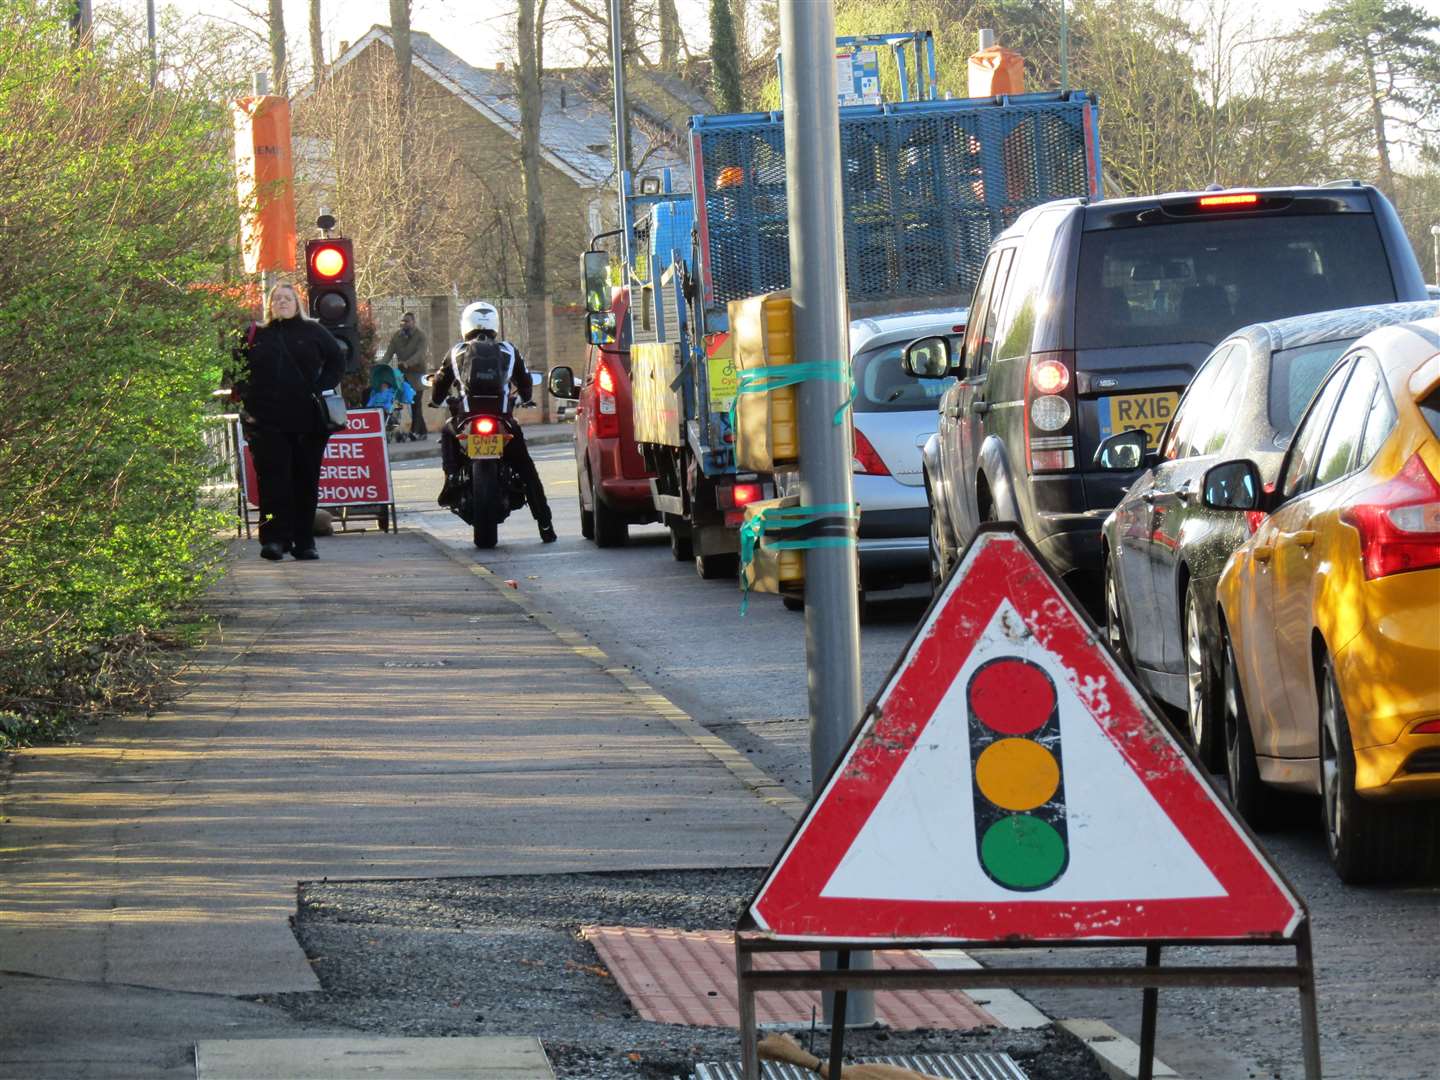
[
  {"x": 724, "y": 57},
  {"x": 115, "y": 201}
]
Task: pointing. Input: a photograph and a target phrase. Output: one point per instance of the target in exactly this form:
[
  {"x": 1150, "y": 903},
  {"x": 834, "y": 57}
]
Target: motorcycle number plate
[{"x": 483, "y": 446}]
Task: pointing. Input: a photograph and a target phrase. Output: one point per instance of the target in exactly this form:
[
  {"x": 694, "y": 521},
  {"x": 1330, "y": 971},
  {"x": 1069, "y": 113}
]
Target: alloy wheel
[
  {"x": 1330, "y": 779},
  {"x": 1195, "y": 676}
]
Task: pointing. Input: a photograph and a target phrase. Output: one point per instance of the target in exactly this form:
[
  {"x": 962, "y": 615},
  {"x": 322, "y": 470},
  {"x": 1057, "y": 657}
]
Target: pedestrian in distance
[
  {"x": 284, "y": 366},
  {"x": 407, "y": 352},
  {"x": 481, "y": 346}
]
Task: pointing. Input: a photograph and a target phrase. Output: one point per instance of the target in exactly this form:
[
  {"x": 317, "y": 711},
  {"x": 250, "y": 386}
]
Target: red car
[{"x": 609, "y": 469}]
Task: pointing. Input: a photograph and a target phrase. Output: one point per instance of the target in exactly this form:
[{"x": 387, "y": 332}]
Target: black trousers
[
  {"x": 287, "y": 467},
  {"x": 516, "y": 455},
  {"x": 417, "y": 407}
]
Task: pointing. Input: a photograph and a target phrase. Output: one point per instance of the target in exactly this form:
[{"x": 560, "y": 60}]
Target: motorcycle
[{"x": 490, "y": 490}]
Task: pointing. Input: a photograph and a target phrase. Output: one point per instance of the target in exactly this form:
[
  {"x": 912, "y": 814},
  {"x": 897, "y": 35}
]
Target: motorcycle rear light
[
  {"x": 1429, "y": 727},
  {"x": 866, "y": 461},
  {"x": 483, "y": 425},
  {"x": 1049, "y": 376},
  {"x": 1398, "y": 522}
]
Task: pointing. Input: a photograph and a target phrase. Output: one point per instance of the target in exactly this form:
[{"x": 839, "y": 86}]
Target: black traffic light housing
[{"x": 330, "y": 280}]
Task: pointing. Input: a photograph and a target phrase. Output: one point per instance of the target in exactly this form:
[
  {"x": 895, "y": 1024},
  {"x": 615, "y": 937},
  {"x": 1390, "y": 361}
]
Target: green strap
[
  {"x": 762, "y": 380},
  {"x": 798, "y": 527}
]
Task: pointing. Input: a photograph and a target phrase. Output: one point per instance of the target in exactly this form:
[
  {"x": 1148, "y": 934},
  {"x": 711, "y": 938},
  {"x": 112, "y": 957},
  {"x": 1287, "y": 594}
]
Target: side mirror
[
  {"x": 595, "y": 270},
  {"x": 1233, "y": 485},
  {"x": 928, "y": 358},
  {"x": 1124, "y": 452},
  {"x": 600, "y": 328},
  {"x": 562, "y": 383}
]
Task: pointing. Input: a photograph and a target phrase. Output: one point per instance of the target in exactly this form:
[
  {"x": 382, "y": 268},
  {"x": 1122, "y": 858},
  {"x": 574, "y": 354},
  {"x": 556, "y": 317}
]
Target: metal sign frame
[{"x": 1151, "y": 976}]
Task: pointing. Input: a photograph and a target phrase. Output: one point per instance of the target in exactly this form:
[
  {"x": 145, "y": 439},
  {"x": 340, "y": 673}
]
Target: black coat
[{"x": 289, "y": 360}]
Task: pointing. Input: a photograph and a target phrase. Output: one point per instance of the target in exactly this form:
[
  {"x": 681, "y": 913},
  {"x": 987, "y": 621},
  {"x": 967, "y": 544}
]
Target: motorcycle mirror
[{"x": 536, "y": 378}]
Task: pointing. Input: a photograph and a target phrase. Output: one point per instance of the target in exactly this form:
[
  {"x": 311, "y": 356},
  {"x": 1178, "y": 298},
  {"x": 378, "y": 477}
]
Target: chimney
[{"x": 500, "y": 66}]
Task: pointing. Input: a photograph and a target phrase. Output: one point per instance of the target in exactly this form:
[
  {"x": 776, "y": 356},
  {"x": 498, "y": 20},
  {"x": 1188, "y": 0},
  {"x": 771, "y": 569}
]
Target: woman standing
[{"x": 289, "y": 360}]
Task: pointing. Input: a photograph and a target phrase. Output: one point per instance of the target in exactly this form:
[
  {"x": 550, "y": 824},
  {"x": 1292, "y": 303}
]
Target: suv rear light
[
  {"x": 605, "y": 417},
  {"x": 1050, "y": 413},
  {"x": 866, "y": 461},
  {"x": 1398, "y": 522}
]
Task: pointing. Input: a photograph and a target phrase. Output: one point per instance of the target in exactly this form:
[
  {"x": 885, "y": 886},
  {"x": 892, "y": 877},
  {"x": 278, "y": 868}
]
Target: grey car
[{"x": 1163, "y": 550}]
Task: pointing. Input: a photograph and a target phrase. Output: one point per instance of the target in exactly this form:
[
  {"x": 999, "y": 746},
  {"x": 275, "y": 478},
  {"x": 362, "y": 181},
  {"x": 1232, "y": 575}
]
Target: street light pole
[{"x": 822, "y": 333}]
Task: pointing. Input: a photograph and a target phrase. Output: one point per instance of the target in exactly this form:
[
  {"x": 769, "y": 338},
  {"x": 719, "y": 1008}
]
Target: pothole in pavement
[{"x": 507, "y": 956}]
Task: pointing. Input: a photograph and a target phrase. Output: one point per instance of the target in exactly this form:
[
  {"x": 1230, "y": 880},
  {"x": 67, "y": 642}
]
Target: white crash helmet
[{"x": 479, "y": 316}]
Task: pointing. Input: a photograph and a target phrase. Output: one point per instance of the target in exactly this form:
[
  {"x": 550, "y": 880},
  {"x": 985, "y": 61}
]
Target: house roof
[{"x": 576, "y": 122}]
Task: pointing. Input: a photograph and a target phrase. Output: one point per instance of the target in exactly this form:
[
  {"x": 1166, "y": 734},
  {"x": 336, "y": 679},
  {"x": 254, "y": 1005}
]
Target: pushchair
[{"x": 389, "y": 391}]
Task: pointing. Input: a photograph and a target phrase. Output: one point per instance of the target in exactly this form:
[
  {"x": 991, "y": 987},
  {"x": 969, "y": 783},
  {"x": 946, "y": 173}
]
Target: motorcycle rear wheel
[{"x": 485, "y": 502}]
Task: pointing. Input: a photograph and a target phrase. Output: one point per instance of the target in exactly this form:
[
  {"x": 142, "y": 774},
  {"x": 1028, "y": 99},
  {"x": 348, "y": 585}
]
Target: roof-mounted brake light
[{"x": 1215, "y": 202}]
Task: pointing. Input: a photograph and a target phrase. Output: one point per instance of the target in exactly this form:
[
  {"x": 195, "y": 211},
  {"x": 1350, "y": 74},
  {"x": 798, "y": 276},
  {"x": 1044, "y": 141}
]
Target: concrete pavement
[{"x": 385, "y": 712}]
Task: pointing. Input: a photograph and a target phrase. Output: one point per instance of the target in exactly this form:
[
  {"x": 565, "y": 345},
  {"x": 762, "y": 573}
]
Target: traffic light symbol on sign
[
  {"x": 330, "y": 276},
  {"x": 1020, "y": 829}
]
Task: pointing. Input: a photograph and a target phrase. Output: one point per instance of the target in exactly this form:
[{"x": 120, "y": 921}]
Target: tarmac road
[{"x": 1377, "y": 950}]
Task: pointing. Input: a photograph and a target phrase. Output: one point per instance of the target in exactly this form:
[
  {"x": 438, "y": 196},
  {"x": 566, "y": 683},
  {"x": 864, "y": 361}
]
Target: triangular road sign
[{"x": 1010, "y": 783}]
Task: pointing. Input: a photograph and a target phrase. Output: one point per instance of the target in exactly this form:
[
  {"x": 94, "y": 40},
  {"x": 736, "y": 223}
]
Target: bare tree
[
  {"x": 531, "y": 47},
  {"x": 669, "y": 20},
  {"x": 317, "y": 45},
  {"x": 279, "y": 73}
]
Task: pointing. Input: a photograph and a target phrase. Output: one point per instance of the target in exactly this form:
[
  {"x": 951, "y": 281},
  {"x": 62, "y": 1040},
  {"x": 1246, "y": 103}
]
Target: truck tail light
[
  {"x": 866, "y": 461},
  {"x": 606, "y": 418},
  {"x": 1050, "y": 412},
  {"x": 739, "y": 495},
  {"x": 1398, "y": 522}
]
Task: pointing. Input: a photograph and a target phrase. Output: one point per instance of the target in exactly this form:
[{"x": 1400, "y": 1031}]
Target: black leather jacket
[{"x": 444, "y": 379}]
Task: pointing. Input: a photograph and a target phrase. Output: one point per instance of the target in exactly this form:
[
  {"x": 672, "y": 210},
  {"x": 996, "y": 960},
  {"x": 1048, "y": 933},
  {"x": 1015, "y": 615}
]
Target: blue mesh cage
[{"x": 926, "y": 187}]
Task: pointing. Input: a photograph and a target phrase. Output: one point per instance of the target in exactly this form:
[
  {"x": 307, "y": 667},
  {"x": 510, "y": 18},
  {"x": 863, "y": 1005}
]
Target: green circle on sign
[{"x": 1022, "y": 852}]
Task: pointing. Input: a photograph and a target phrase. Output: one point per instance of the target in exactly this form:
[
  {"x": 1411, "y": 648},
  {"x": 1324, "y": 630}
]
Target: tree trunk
[
  {"x": 530, "y": 73},
  {"x": 1377, "y": 117},
  {"x": 400, "y": 35},
  {"x": 627, "y": 32},
  {"x": 317, "y": 45},
  {"x": 278, "y": 70},
  {"x": 669, "y": 36}
]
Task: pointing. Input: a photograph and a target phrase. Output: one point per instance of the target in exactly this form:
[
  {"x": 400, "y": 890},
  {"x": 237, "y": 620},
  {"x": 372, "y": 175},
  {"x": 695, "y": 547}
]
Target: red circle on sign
[{"x": 1012, "y": 696}]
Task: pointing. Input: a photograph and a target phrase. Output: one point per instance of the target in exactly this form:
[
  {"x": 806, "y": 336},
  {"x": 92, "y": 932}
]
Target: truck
[{"x": 927, "y": 182}]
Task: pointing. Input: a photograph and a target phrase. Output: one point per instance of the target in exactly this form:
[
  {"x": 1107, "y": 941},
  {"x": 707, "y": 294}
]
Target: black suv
[{"x": 1091, "y": 317}]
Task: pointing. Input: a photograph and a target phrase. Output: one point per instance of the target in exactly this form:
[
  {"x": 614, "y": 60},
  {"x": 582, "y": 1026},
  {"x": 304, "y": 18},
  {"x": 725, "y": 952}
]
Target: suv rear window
[
  {"x": 881, "y": 384},
  {"x": 1197, "y": 280}
]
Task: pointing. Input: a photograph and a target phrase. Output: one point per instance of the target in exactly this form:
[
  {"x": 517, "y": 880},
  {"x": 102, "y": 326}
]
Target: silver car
[{"x": 894, "y": 414}]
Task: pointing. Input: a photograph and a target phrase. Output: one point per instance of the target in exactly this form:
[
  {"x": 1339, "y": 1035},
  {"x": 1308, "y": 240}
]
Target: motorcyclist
[{"x": 481, "y": 322}]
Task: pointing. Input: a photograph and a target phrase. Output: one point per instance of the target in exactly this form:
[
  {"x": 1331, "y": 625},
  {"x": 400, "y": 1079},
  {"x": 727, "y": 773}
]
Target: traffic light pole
[{"x": 817, "y": 275}]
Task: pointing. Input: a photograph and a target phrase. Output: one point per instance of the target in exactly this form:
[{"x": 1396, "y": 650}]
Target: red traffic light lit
[{"x": 329, "y": 261}]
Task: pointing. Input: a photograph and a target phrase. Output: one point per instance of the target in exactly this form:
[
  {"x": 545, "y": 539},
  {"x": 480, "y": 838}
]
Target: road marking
[{"x": 766, "y": 787}]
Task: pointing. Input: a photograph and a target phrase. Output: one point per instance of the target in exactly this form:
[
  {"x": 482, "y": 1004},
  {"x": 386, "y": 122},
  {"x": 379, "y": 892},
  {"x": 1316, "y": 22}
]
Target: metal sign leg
[
  {"x": 749, "y": 1056},
  {"x": 1150, "y": 998},
  {"x": 1309, "y": 1010},
  {"x": 837, "y": 1023}
]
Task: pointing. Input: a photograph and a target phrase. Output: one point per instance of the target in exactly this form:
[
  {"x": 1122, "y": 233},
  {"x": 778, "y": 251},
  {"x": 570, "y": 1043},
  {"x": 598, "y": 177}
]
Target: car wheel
[
  {"x": 711, "y": 567},
  {"x": 1367, "y": 841},
  {"x": 1251, "y": 799},
  {"x": 682, "y": 546},
  {"x": 1114, "y": 624},
  {"x": 937, "y": 557},
  {"x": 587, "y": 517},
  {"x": 1201, "y": 706},
  {"x": 611, "y": 530}
]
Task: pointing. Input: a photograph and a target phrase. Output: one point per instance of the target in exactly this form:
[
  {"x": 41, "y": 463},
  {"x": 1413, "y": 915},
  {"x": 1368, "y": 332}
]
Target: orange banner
[{"x": 265, "y": 178}]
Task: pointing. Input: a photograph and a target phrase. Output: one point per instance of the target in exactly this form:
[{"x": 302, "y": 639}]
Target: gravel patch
[{"x": 504, "y": 956}]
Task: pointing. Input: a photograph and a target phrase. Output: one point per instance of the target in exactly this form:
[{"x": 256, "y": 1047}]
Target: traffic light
[
  {"x": 330, "y": 275},
  {"x": 1019, "y": 796}
]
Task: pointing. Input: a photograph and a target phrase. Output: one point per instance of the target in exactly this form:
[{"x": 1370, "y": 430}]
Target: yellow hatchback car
[{"x": 1330, "y": 612}]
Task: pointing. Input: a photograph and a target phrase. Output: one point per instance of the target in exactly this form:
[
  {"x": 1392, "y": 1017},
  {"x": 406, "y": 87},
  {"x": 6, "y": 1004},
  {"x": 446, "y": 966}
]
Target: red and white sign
[
  {"x": 355, "y": 470},
  {"x": 1010, "y": 783}
]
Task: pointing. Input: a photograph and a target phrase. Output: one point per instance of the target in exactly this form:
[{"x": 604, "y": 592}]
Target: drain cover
[{"x": 947, "y": 1066}]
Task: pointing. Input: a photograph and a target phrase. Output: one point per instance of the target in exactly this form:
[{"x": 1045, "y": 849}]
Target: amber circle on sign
[
  {"x": 1017, "y": 774},
  {"x": 1012, "y": 696}
]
